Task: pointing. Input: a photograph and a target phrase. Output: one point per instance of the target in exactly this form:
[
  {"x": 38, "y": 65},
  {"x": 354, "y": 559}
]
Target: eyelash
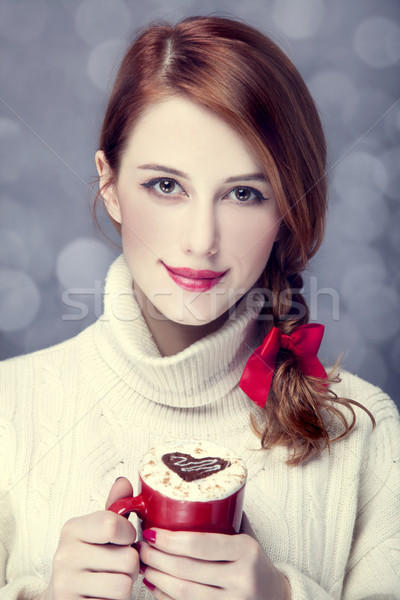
[{"x": 150, "y": 185}]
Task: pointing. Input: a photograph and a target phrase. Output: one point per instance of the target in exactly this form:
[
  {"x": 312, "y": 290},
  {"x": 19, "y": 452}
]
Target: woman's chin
[{"x": 190, "y": 318}]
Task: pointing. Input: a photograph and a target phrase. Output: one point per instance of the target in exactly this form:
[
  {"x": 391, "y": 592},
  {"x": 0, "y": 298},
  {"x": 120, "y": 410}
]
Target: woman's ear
[{"x": 108, "y": 193}]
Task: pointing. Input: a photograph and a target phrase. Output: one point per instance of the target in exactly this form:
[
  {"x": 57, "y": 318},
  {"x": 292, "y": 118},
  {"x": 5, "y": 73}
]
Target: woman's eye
[
  {"x": 163, "y": 185},
  {"x": 246, "y": 195},
  {"x": 167, "y": 185}
]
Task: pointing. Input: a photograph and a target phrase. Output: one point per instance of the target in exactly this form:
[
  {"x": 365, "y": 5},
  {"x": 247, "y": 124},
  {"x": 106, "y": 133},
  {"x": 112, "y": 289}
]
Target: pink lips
[{"x": 192, "y": 280}]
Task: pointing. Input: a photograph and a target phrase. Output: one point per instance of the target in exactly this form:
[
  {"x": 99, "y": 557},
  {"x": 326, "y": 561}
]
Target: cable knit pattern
[{"x": 76, "y": 416}]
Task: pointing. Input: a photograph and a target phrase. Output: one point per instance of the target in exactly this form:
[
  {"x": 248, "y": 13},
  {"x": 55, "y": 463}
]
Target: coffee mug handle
[{"x": 124, "y": 506}]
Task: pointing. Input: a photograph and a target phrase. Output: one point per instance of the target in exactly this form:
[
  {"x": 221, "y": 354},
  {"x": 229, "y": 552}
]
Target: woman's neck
[{"x": 169, "y": 336}]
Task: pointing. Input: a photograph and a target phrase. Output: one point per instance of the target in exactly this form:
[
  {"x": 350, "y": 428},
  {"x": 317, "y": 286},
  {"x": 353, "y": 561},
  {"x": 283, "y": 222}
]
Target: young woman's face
[{"x": 198, "y": 218}]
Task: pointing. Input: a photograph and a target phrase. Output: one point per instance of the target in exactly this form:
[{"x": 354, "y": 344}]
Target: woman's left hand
[{"x": 207, "y": 566}]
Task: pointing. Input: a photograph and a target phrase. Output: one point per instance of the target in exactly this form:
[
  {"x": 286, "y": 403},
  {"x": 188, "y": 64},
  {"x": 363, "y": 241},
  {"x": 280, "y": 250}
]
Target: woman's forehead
[{"x": 178, "y": 129}]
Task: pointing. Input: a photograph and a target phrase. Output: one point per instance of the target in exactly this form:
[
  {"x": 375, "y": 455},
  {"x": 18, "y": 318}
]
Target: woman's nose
[{"x": 200, "y": 234}]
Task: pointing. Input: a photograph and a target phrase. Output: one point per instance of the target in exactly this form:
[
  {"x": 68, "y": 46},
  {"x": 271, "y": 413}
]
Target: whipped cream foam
[{"x": 198, "y": 471}]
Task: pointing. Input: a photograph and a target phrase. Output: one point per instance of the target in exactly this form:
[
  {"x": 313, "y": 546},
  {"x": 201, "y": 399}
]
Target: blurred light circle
[
  {"x": 22, "y": 20},
  {"x": 331, "y": 88},
  {"x": 299, "y": 19},
  {"x": 103, "y": 63},
  {"x": 361, "y": 215},
  {"x": 393, "y": 233},
  {"x": 363, "y": 111},
  {"x": 24, "y": 223},
  {"x": 391, "y": 123},
  {"x": 337, "y": 256},
  {"x": 395, "y": 358},
  {"x": 344, "y": 339},
  {"x": 341, "y": 337},
  {"x": 19, "y": 300},
  {"x": 70, "y": 6},
  {"x": 82, "y": 262},
  {"x": 11, "y": 151},
  {"x": 42, "y": 257},
  {"x": 12, "y": 213},
  {"x": 13, "y": 251},
  {"x": 75, "y": 74},
  {"x": 99, "y": 20},
  {"x": 377, "y": 42},
  {"x": 398, "y": 118},
  {"x": 359, "y": 169},
  {"x": 375, "y": 308},
  {"x": 355, "y": 280},
  {"x": 368, "y": 364},
  {"x": 391, "y": 160}
]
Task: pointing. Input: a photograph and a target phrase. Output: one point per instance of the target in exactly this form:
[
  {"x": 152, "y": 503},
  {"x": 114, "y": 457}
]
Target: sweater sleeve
[
  {"x": 23, "y": 588},
  {"x": 373, "y": 566},
  {"x": 373, "y": 569},
  {"x": 6, "y": 520},
  {"x": 28, "y": 586}
]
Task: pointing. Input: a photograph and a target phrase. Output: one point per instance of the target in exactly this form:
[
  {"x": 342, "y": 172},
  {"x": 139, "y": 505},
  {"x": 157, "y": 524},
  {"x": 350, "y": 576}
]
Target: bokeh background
[{"x": 57, "y": 61}]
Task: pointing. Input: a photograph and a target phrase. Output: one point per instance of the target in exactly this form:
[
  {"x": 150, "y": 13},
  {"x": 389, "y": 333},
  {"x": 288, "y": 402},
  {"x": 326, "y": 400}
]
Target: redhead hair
[{"x": 242, "y": 76}]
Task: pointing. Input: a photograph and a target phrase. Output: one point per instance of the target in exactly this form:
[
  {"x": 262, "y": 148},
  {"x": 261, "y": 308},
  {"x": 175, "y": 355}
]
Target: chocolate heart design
[{"x": 190, "y": 469}]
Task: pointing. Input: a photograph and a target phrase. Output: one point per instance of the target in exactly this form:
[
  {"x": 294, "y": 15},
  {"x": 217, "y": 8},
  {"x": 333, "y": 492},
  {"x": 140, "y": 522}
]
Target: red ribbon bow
[{"x": 304, "y": 342}]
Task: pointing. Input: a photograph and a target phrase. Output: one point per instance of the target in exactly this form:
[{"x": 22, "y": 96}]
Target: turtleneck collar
[{"x": 206, "y": 370}]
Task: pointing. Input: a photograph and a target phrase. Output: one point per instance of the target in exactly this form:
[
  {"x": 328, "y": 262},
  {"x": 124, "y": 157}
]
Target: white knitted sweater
[{"x": 76, "y": 416}]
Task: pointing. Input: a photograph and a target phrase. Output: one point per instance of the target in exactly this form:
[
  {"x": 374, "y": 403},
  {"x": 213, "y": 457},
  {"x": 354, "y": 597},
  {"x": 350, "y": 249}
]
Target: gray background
[{"x": 57, "y": 59}]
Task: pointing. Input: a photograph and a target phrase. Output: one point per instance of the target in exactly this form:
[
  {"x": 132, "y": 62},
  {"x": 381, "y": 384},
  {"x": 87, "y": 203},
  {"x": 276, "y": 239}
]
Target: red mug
[{"x": 172, "y": 509}]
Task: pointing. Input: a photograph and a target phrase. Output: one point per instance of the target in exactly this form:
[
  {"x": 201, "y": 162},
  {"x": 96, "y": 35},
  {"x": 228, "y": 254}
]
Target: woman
[{"x": 211, "y": 166}]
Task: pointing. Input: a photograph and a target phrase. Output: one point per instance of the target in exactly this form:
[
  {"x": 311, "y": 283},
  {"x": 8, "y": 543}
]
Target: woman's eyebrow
[
  {"x": 165, "y": 169},
  {"x": 250, "y": 177}
]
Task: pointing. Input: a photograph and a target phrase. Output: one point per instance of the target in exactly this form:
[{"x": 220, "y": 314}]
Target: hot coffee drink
[
  {"x": 198, "y": 471},
  {"x": 192, "y": 486}
]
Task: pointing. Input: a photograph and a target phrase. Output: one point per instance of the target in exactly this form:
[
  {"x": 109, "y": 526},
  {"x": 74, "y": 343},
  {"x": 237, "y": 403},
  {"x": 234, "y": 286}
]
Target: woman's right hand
[{"x": 94, "y": 558}]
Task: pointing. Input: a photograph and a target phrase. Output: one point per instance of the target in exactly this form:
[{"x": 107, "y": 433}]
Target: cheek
[
  {"x": 254, "y": 261},
  {"x": 251, "y": 242},
  {"x": 142, "y": 228}
]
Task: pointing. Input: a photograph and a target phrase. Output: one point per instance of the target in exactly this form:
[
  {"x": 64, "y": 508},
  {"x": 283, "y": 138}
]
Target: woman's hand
[
  {"x": 207, "y": 566},
  {"x": 94, "y": 558}
]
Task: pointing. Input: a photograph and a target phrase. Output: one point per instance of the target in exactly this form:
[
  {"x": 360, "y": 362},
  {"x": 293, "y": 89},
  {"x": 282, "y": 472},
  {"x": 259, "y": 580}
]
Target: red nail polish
[
  {"x": 142, "y": 568},
  {"x": 149, "y": 585},
  {"x": 149, "y": 535}
]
